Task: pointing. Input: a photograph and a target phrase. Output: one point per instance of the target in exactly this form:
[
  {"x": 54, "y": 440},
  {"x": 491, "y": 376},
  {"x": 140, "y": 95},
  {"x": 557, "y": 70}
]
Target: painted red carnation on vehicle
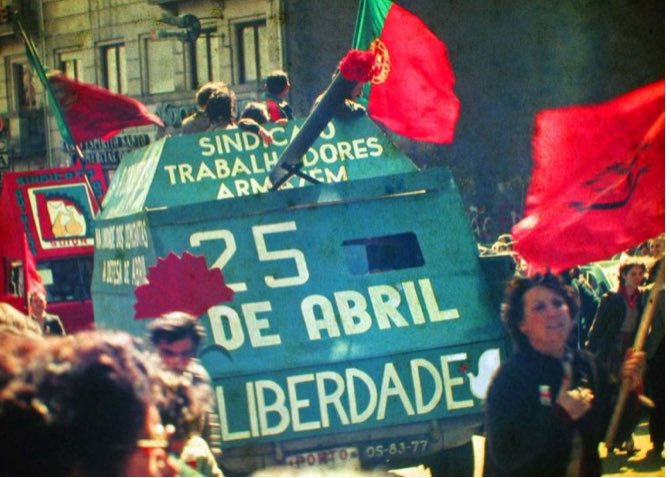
[{"x": 183, "y": 284}]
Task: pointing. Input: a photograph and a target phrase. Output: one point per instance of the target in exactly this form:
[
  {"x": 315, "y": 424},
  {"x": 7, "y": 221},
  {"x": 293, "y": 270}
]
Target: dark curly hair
[
  {"x": 221, "y": 106},
  {"x": 257, "y": 111},
  {"x": 175, "y": 326},
  {"x": 72, "y": 405},
  {"x": 512, "y": 309},
  {"x": 277, "y": 81},
  {"x": 205, "y": 91},
  {"x": 628, "y": 264},
  {"x": 182, "y": 404}
]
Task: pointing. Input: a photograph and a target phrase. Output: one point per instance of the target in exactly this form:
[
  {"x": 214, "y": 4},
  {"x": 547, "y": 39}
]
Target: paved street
[
  {"x": 619, "y": 464},
  {"x": 615, "y": 464}
]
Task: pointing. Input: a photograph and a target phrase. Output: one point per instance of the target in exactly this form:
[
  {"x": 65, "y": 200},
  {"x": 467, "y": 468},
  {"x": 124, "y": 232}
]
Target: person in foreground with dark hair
[
  {"x": 176, "y": 337},
  {"x": 549, "y": 406},
  {"x": 80, "y": 405},
  {"x": 182, "y": 409}
]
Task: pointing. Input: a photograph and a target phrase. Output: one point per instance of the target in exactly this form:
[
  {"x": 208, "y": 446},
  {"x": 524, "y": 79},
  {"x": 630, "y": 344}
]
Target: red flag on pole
[
  {"x": 32, "y": 277},
  {"x": 38, "y": 68},
  {"x": 597, "y": 185},
  {"x": 413, "y": 92},
  {"x": 93, "y": 112}
]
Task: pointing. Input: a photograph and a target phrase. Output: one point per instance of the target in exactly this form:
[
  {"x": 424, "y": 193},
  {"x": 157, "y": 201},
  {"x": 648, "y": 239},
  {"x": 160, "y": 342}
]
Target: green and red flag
[
  {"x": 412, "y": 92},
  {"x": 85, "y": 111},
  {"x": 38, "y": 68},
  {"x": 94, "y": 112},
  {"x": 597, "y": 185}
]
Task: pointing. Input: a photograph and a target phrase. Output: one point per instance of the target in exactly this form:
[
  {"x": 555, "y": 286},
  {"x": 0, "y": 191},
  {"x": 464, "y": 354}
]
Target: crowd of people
[
  {"x": 549, "y": 407},
  {"x": 217, "y": 108},
  {"x": 104, "y": 403},
  {"x": 107, "y": 403}
]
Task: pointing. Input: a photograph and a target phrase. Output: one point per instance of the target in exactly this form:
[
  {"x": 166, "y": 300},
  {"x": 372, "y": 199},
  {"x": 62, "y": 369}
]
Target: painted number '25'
[{"x": 259, "y": 233}]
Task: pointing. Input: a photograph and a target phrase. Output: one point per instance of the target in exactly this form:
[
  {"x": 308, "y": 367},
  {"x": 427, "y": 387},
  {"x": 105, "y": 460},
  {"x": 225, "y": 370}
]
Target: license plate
[{"x": 331, "y": 458}]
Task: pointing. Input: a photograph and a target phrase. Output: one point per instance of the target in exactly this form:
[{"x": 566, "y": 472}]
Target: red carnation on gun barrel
[{"x": 358, "y": 66}]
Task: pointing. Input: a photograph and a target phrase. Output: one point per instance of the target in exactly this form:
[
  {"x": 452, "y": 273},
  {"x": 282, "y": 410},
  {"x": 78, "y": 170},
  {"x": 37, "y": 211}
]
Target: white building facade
[{"x": 156, "y": 51}]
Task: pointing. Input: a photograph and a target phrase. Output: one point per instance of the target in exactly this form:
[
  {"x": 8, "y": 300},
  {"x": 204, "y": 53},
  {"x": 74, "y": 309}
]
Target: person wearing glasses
[
  {"x": 79, "y": 405},
  {"x": 176, "y": 337}
]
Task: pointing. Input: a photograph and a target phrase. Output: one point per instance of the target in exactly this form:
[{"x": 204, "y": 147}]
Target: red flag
[
  {"x": 93, "y": 112},
  {"x": 597, "y": 184},
  {"x": 32, "y": 277},
  {"x": 412, "y": 94}
]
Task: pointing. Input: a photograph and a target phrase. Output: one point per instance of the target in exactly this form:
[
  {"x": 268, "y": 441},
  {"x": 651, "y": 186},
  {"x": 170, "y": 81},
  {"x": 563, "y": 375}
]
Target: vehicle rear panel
[{"x": 361, "y": 322}]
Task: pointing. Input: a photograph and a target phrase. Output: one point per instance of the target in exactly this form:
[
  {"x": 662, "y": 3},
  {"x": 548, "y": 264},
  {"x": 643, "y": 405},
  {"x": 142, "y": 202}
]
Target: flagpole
[
  {"x": 34, "y": 59},
  {"x": 63, "y": 126},
  {"x": 639, "y": 342}
]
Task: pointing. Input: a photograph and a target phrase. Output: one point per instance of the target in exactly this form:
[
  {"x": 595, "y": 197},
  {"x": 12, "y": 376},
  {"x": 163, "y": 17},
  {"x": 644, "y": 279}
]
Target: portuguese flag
[
  {"x": 413, "y": 95},
  {"x": 85, "y": 111},
  {"x": 38, "y": 69}
]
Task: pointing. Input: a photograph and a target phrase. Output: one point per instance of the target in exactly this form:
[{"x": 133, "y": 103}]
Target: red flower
[
  {"x": 180, "y": 283},
  {"x": 357, "y": 65}
]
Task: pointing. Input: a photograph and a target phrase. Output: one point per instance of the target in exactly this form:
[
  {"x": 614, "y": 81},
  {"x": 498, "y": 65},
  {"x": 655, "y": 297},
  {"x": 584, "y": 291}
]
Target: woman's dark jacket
[{"x": 527, "y": 433}]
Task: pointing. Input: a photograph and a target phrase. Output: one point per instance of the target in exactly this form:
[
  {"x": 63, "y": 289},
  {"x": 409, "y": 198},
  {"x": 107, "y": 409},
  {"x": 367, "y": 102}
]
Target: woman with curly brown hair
[{"x": 548, "y": 406}]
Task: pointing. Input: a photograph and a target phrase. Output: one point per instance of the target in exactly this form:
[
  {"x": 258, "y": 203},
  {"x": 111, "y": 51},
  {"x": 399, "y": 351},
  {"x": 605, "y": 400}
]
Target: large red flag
[
  {"x": 412, "y": 94},
  {"x": 597, "y": 185},
  {"x": 93, "y": 112}
]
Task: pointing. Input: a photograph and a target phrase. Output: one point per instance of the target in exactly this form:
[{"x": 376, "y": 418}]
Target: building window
[
  {"x": 14, "y": 285},
  {"x": 25, "y": 96},
  {"x": 207, "y": 58},
  {"x": 114, "y": 68},
  {"x": 70, "y": 64},
  {"x": 252, "y": 39},
  {"x": 160, "y": 66}
]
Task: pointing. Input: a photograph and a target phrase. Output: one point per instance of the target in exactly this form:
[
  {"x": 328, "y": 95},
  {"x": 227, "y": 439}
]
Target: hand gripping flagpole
[{"x": 639, "y": 342}]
